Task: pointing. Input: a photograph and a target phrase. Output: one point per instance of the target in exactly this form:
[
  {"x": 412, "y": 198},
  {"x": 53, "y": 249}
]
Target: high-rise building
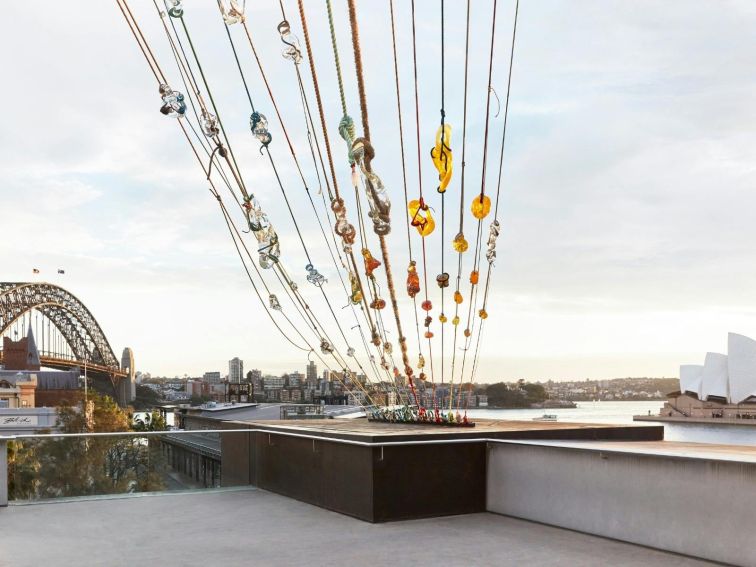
[
  {"x": 211, "y": 377},
  {"x": 235, "y": 370},
  {"x": 312, "y": 375}
]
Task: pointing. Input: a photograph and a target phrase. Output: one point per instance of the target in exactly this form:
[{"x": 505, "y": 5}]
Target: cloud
[{"x": 626, "y": 196}]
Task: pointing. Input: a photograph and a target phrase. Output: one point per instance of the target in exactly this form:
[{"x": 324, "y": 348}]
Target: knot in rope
[
  {"x": 234, "y": 14},
  {"x": 173, "y": 102},
  {"x": 259, "y": 126},
  {"x": 347, "y": 132},
  {"x": 292, "y": 50},
  {"x": 492, "y": 236},
  {"x": 342, "y": 226}
]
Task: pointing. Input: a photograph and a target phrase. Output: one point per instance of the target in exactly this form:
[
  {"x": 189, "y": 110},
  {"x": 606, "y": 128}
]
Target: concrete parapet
[{"x": 692, "y": 499}]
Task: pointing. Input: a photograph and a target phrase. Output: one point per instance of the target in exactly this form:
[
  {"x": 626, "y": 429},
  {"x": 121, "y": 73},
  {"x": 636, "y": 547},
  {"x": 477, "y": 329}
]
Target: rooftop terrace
[{"x": 253, "y": 527}]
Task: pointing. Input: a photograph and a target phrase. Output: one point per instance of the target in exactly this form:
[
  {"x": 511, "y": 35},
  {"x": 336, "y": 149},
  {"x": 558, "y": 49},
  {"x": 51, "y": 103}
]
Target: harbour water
[{"x": 623, "y": 412}]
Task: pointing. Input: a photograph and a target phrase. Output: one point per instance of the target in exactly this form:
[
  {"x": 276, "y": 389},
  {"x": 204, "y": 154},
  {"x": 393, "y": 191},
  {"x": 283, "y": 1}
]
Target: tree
[
  {"x": 146, "y": 398},
  {"x": 77, "y": 466}
]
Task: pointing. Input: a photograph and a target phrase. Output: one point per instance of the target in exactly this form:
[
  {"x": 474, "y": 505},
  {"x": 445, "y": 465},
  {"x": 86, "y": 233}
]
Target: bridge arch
[{"x": 70, "y": 316}]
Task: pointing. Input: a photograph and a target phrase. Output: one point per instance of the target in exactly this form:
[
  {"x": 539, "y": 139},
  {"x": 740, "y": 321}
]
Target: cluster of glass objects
[{"x": 173, "y": 102}]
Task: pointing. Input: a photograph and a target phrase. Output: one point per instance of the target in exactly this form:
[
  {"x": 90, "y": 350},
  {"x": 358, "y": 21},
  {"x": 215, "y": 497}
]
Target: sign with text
[{"x": 17, "y": 420}]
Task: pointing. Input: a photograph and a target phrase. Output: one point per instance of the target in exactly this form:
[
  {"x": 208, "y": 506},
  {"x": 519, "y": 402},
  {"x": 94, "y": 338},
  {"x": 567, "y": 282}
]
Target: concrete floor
[{"x": 253, "y": 527}]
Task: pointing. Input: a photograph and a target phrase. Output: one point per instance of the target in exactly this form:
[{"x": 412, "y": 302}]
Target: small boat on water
[{"x": 546, "y": 417}]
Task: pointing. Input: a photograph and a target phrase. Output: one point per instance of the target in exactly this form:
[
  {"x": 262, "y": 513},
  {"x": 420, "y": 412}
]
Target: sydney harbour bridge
[{"x": 66, "y": 333}]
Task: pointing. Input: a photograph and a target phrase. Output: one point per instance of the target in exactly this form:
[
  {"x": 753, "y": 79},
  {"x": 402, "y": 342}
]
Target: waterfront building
[
  {"x": 724, "y": 386},
  {"x": 235, "y": 370}
]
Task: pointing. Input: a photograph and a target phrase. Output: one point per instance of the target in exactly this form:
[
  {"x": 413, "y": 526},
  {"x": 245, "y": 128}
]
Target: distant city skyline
[{"x": 627, "y": 201}]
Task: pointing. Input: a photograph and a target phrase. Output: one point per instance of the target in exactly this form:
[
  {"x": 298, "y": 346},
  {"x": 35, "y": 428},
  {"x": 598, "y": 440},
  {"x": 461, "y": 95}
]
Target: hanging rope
[
  {"x": 495, "y": 226},
  {"x": 412, "y": 286},
  {"x": 460, "y": 243},
  {"x": 373, "y": 182},
  {"x": 421, "y": 217}
]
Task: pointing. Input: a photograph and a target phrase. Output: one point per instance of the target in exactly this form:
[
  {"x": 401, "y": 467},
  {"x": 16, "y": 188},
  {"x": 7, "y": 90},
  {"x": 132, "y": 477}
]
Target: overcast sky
[{"x": 628, "y": 195}]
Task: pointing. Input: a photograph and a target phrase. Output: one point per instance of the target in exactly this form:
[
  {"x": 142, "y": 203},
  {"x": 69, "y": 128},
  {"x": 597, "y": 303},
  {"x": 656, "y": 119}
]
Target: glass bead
[
  {"x": 413, "y": 280},
  {"x": 442, "y": 318},
  {"x": 481, "y": 209},
  {"x": 457, "y": 297},
  {"x": 442, "y": 280},
  {"x": 474, "y": 276},
  {"x": 460, "y": 243},
  {"x": 455, "y": 321},
  {"x": 467, "y": 332},
  {"x": 483, "y": 314},
  {"x": 428, "y": 334},
  {"x": 426, "y": 305},
  {"x": 378, "y": 303}
]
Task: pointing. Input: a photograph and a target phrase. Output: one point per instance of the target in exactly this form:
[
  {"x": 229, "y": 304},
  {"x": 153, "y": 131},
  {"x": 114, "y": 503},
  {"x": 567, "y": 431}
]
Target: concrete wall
[{"x": 699, "y": 507}]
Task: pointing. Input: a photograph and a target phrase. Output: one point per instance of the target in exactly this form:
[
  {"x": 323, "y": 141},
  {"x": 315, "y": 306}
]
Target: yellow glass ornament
[
  {"x": 421, "y": 217},
  {"x": 483, "y": 314},
  {"x": 442, "y": 156},
  {"x": 460, "y": 244},
  {"x": 455, "y": 321},
  {"x": 442, "y": 318},
  {"x": 457, "y": 297},
  {"x": 356, "y": 296},
  {"x": 480, "y": 209}
]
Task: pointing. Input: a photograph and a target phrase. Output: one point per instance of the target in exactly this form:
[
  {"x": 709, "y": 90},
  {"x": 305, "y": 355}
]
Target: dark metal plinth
[{"x": 377, "y": 482}]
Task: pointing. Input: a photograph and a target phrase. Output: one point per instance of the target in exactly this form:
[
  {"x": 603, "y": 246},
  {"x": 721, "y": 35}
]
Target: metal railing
[{"x": 4, "y": 440}]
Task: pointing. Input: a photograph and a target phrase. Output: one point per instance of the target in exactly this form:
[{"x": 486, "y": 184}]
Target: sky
[{"x": 627, "y": 201}]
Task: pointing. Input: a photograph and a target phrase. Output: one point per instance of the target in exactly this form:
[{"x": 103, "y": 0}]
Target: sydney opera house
[{"x": 724, "y": 386}]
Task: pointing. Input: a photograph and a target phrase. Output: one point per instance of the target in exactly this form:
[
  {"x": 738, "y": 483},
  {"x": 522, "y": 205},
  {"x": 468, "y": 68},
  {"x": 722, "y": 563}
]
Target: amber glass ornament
[
  {"x": 480, "y": 209},
  {"x": 426, "y": 305},
  {"x": 370, "y": 263},
  {"x": 421, "y": 217},
  {"x": 441, "y": 155},
  {"x": 457, "y": 297},
  {"x": 483, "y": 314},
  {"x": 460, "y": 244},
  {"x": 413, "y": 280},
  {"x": 474, "y": 276}
]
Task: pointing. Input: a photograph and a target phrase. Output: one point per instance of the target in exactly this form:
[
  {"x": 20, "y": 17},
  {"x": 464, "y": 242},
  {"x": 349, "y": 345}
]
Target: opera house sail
[{"x": 723, "y": 387}]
